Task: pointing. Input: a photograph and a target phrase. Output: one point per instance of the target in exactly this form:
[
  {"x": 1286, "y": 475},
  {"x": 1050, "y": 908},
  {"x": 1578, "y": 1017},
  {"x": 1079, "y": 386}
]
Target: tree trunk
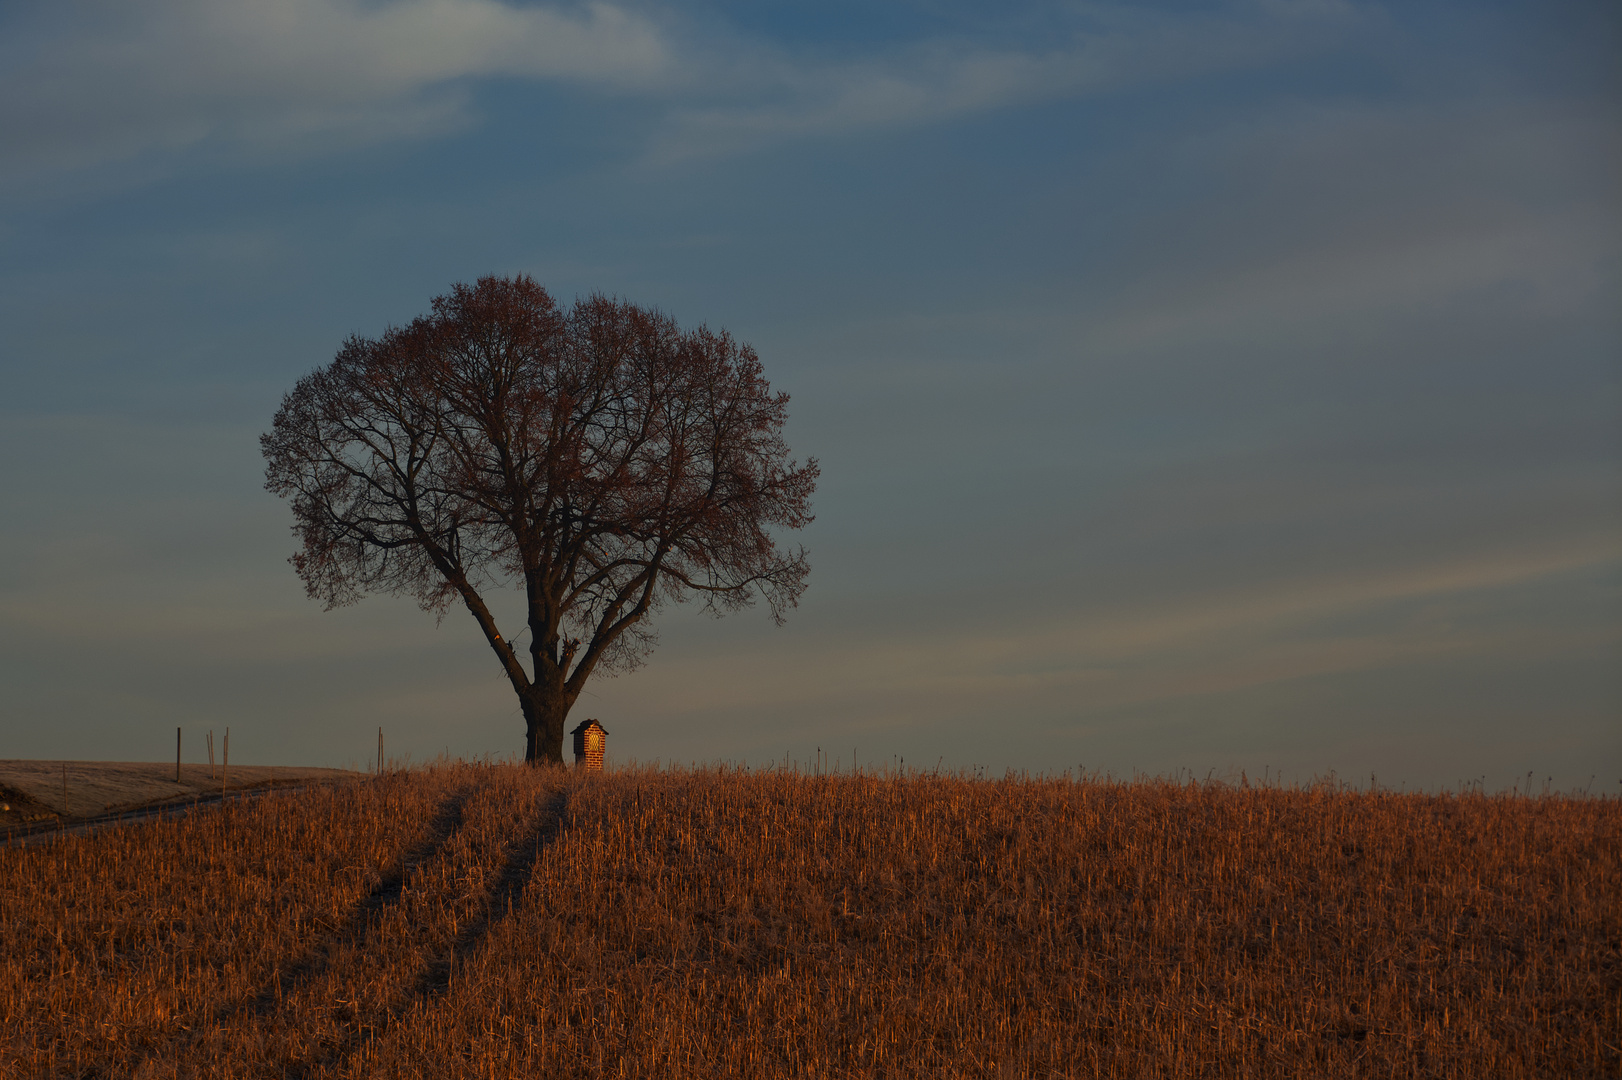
[{"x": 544, "y": 714}]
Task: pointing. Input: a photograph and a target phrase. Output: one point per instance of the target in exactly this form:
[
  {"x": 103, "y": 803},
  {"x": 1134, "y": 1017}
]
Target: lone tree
[{"x": 598, "y": 457}]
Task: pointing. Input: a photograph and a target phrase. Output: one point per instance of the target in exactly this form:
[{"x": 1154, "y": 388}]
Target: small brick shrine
[{"x": 590, "y": 740}]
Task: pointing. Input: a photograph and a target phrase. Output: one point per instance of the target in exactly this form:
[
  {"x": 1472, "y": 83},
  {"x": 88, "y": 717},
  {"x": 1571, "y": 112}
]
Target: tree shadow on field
[
  {"x": 444, "y": 826},
  {"x": 515, "y": 873}
]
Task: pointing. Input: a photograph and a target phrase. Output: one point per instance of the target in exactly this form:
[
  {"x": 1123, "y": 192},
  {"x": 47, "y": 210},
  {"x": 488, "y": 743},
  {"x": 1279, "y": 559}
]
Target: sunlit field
[{"x": 497, "y": 921}]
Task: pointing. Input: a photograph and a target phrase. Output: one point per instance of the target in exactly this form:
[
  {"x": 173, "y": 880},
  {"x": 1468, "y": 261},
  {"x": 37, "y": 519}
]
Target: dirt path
[
  {"x": 32, "y": 792},
  {"x": 43, "y": 832}
]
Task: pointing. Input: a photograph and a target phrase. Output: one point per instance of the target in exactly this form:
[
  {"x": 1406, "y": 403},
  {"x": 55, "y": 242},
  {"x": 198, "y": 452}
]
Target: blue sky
[{"x": 1214, "y": 387}]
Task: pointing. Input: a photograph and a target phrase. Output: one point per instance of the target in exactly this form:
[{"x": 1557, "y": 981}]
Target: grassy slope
[
  {"x": 477, "y": 921},
  {"x": 34, "y": 789}
]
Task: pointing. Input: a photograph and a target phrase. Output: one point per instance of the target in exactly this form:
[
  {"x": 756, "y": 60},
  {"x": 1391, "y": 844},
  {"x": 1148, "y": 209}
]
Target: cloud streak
[
  {"x": 935, "y": 80},
  {"x": 91, "y": 83},
  {"x": 1138, "y": 654},
  {"x": 166, "y": 76}
]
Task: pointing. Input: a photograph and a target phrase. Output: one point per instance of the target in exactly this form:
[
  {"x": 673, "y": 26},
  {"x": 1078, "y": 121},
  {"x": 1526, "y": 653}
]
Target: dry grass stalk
[{"x": 500, "y": 921}]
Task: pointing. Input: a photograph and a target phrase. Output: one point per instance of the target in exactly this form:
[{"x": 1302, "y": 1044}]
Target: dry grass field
[{"x": 496, "y": 921}]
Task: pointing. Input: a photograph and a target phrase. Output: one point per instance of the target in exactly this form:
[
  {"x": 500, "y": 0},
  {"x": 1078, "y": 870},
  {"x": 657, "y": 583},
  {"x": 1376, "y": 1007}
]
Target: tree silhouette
[{"x": 599, "y": 457}]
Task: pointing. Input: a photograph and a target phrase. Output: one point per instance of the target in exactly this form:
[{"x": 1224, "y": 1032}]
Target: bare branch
[{"x": 600, "y": 457}]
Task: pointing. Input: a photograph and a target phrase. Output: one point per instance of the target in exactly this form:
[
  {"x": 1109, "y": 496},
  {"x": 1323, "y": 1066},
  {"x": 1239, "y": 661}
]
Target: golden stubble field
[{"x": 498, "y": 921}]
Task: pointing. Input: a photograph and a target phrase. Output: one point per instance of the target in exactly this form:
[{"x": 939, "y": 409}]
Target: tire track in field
[
  {"x": 286, "y": 996},
  {"x": 517, "y": 868},
  {"x": 364, "y": 916},
  {"x": 518, "y": 861}
]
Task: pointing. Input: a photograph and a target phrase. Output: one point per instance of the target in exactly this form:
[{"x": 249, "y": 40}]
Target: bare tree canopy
[{"x": 598, "y": 457}]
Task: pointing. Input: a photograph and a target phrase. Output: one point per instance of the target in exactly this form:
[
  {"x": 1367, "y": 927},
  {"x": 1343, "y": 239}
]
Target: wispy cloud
[
  {"x": 1556, "y": 261},
  {"x": 83, "y": 84},
  {"x": 1388, "y": 210},
  {"x": 1182, "y": 647},
  {"x": 88, "y": 83},
  {"x": 1110, "y": 49}
]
